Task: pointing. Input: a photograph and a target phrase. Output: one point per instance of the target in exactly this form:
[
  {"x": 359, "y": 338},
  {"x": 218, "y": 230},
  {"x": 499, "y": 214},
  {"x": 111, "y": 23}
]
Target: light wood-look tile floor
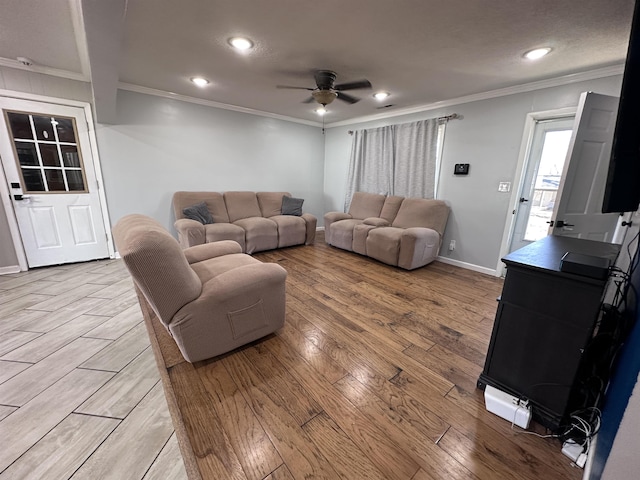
[{"x": 80, "y": 394}]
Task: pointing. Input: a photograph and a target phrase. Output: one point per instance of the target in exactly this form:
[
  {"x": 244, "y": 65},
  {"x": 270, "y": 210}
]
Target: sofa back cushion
[
  {"x": 390, "y": 208},
  {"x": 242, "y": 205},
  {"x": 214, "y": 200},
  {"x": 365, "y": 205},
  {"x": 271, "y": 203},
  {"x": 420, "y": 212},
  {"x": 156, "y": 264}
]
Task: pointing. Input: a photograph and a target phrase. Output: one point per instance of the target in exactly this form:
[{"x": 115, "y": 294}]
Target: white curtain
[
  {"x": 366, "y": 175},
  {"x": 394, "y": 160}
]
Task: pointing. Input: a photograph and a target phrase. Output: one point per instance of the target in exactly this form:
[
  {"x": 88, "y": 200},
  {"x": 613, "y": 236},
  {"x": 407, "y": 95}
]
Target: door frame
[
  {"x": 518, "y": 179},
  {"x": 93, "y": 141}
]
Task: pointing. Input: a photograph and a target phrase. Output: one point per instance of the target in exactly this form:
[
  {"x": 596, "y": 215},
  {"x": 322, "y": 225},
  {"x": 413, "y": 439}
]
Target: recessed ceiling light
[
  {"x": 381, "y": 95},
  {"x": 537, "y": 53},
  {"x": 200, "y": 81},
  {"x": 321, "y": 110},
  {"x": 240, "y": 43}
]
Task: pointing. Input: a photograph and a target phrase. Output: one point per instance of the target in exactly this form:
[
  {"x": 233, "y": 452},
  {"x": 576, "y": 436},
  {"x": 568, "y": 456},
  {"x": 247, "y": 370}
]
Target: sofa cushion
[
  {"x": 292, "y": 230},
  {"x": 384, "y": 244},
  {"x": 242, "y": 205},
  {"x": 259, "y": 233},
  {"x": 271, "y": 203},
  {"x": 212, "y": 267},
  {"x": 224, "y": 231},
  {"x": 391, "y": 207},
  {"x": 214, "y": 200},
  {"x": 198, "y": 212},
  {"x": 420, "y": 212},
  {"x": 342, "y": 233},
  {"x": 292, "y": 206},
  {"x": 365, "y": 205}
]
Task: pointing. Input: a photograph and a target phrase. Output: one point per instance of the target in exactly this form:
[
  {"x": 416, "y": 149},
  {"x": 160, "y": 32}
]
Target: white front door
[
  {"x": 48, "y": 164},
  {"x": 578, "y": 212}
]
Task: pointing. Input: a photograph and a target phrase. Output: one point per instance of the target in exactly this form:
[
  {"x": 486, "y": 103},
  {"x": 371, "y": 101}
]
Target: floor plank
[
  {"x": 133, "y": 446},
  {"x": 168, "y": 465},
  {"x": 63, "y": 449},
  {"x": 26, "y": 426}
]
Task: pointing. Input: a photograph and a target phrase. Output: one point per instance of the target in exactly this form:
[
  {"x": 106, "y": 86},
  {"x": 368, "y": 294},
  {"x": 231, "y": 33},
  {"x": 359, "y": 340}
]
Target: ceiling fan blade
[
  {"x": 353, "y": 85},
  {"x": 347, "y": 98},
  {"x": 308, "y": 100},
  {"x": 294, "y": 88}
]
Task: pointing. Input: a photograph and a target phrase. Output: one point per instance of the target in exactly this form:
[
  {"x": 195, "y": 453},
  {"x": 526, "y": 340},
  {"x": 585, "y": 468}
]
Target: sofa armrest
[
  {"x": 329, "y": 218},
  {"x": 310, "y": 223},
  {"x": 206, "y": 251},
  {"x": 190, "y": 232},
  {"x": 376, "y": 222},
  {"x": 418, "y": 247}
]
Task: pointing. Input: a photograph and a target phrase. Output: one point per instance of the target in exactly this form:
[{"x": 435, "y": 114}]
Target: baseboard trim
[
  {"x": 9, "y": 269},
  {"x": 468, "y": 266}
]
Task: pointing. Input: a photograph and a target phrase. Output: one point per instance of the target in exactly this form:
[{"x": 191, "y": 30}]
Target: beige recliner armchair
[{"x": 211, "y": 298}]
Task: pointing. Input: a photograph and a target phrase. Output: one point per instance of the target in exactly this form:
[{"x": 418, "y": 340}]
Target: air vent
[{"x": 385, "y": 106}]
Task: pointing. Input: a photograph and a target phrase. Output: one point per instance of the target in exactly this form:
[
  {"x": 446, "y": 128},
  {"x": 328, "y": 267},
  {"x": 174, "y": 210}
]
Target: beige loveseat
[
  {"x": 404, "y": 232},
  {"x": 211, "y": 298},
  {"x": 254, "y": 220}
]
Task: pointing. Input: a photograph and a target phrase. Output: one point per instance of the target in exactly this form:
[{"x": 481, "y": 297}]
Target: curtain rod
[{"x": 446, "y": 118}]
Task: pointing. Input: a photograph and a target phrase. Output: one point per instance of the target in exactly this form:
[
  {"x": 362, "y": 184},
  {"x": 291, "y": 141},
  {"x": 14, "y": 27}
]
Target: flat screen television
[{"x": 622, "y": 190}]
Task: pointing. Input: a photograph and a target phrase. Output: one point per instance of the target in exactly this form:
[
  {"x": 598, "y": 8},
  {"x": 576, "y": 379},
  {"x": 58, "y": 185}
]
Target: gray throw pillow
[
  {"x": 292, "y": 206},
  {"x": 198, "y": 212}
]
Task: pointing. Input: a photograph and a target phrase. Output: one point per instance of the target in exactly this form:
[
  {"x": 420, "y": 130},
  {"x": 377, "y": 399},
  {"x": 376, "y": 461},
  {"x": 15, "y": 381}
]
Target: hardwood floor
[{"x": 372, "y": 377}]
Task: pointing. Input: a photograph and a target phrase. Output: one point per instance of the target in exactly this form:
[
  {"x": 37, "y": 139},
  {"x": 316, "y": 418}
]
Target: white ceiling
[{"x": 422, "y": 51}]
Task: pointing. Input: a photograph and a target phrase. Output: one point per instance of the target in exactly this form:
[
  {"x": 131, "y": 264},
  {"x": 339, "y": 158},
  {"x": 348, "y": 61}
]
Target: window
[{"x": 48, "y": 154}]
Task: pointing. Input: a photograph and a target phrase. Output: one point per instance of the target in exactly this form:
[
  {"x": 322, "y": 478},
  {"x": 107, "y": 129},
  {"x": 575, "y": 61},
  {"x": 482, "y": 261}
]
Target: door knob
[
  {"x": 522, "y": 199},
  {"x": 561, "y": 223},
  {"x": 21, "y": 197}
]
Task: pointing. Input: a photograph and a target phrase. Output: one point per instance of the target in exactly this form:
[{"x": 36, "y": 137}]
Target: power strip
[
  {"x": 575, "y": 452},
  {"x": 507, "y": 406}
]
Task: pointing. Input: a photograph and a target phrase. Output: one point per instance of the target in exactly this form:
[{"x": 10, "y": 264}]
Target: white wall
[
  {"x": 488, "y": 137},
  {"x": 159, "y": 146}
]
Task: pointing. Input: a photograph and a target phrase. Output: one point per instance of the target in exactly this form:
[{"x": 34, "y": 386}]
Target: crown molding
[
  {"x": 501, "y": 92},
  {"x": 54, "y": 72},
  {"x": 210, "y": 103},
  {"x": 77, "y": 19}
]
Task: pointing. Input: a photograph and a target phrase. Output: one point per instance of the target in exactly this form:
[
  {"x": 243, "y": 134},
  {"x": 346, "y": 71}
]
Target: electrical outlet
[
  {"x": 504, "y": 187},
  {"x": 452, "y": 245}
]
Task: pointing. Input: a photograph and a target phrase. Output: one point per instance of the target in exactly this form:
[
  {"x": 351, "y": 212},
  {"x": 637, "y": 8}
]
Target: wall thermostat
[{"x": 461, "y": 169}]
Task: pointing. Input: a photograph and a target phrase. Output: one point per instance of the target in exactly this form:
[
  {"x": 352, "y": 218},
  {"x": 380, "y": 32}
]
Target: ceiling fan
[{"x": 326, "y": 91}]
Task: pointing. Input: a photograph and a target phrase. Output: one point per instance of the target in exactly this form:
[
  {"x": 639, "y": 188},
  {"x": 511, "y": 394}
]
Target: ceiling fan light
[
  {"x": 381, "y": 95},
  {"x": 241, "y": 43},
  {"x": 200, "y": 81},
  {"x": 321, "y": 110},
  {"x": 537, "y": 53},
  {"x": 324, "y": 97}
]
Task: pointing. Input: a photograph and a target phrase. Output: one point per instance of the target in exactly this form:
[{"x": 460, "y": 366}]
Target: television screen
[{"x": 622, "y": 190}]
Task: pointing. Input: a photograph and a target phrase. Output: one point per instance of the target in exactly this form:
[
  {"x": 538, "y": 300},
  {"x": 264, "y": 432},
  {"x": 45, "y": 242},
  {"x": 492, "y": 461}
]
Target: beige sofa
[
  {"x": 211, "y": 298},
  {"x": 254, "y": 220},
  {"x": 404, "y": 232}
]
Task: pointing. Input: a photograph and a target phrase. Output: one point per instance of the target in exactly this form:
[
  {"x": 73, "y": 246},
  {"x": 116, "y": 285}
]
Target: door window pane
[
  {"x": 65, "y": 130},
  {"x": 44, "y": 128},
  {"x": 70, "y": 156},
  {"x": 33, "y": 180},
  {"x": 49, "y": 155},
  {"x": 26, "y": 153},
  {"x": 75, "y": 180},
  {"x": 55, "y": 180},
  {"x": 20, "y": 126}
]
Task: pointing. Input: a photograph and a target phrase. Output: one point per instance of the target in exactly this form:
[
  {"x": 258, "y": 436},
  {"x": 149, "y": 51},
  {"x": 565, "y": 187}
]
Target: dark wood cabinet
[{"x": 544, "y": 322}]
